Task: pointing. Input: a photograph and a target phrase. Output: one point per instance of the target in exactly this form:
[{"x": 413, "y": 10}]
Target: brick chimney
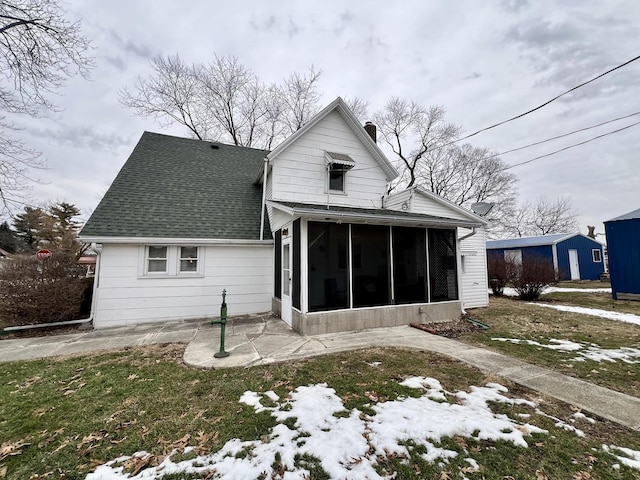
[{"x": 371, "y": 130}]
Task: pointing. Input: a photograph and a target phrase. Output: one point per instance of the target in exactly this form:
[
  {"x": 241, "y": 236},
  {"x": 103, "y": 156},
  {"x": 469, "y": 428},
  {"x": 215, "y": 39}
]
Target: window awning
[{"x": 341, "y": 159}]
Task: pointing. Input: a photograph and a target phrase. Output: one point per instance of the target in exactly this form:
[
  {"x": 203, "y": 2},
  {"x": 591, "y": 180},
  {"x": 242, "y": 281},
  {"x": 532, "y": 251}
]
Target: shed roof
[
  {"x": 627, "y": 216},
  {"x": 529, "y": 241},
  {"x": 172, "y": 187},
  {"x": 373, "y": 215}
]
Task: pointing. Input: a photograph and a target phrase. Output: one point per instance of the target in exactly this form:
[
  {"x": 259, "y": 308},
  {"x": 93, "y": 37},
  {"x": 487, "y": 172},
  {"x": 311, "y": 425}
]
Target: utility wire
[
  {"x": 570, "y": 146},
  {"x": 549, "y": 139},
  {"x": 563, "y": 135},
  {"x": 545, "y": 103}
]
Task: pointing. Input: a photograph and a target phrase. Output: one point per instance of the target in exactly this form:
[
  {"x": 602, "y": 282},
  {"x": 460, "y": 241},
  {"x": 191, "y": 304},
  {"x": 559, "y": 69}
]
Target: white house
[{"x": 306, "y": 230}]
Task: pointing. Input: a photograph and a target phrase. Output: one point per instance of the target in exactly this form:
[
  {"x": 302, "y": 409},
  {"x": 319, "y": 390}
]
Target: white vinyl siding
[
  {"x": 123, "y": 297},
  {"x": 299, "y": 173},
  {"x": 474, "y": 278}
]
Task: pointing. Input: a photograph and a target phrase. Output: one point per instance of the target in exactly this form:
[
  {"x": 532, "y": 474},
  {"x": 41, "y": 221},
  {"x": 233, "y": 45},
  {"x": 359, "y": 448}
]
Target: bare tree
[
  {"x": 359, "y": 107},
  {"x": 544, "y": 217},
  {"x": 224, "y": 100},
  {"x": 412, "y": 131},
  {"x": 39, "y": 50},
  {"x": 301, "y": 98}
]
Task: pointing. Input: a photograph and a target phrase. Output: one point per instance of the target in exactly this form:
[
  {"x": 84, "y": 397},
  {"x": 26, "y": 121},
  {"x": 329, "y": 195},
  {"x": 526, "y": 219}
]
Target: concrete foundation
[{"x": 360, "y": 318}]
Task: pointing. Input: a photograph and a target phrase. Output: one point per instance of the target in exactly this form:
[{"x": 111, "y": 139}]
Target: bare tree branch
[{"x": 39, "y": 50}]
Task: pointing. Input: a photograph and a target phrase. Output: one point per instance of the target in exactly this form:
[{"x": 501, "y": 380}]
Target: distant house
[
  {"x": 307, "y": 231},
  {"x": 574, "y": 255},
  {"x": 623, "y": 244}
]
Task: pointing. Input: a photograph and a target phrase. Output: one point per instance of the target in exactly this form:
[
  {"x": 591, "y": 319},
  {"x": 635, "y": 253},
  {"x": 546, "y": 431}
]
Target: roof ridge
[{"x": 147, "y": 132}]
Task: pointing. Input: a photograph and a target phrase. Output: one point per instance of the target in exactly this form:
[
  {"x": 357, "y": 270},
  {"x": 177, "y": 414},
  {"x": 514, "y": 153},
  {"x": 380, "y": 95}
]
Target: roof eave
[{"x": 171, "y": 240}]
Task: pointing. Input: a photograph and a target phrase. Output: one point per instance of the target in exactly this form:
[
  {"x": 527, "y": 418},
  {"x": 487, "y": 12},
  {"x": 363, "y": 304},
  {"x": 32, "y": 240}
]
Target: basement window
[{"x": 596, "y": 255}]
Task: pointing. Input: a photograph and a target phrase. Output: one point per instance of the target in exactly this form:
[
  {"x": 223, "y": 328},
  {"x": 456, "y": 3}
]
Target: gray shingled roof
[{"x": 182, "y": 188}]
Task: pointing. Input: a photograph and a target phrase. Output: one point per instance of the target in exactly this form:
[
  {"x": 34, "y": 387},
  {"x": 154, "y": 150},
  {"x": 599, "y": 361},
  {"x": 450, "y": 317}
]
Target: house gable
[
  {"x": 418, "y": 200},
  {"x": 299, "y": 166}
]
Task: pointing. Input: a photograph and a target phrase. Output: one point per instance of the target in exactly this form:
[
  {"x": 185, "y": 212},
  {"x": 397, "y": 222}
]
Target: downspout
[
  {"x": 474, "y": 230},
  {"x": 68, "y": 322},
  {"x": 264, "y": 197}
]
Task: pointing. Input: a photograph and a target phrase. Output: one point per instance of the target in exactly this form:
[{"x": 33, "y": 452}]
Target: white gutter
[
  {"x": 174, "y": 241},
  {"x": 264, "y": 197}
]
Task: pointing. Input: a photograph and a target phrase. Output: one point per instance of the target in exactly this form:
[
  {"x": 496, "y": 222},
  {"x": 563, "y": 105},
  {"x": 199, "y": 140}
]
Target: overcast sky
[{"x": 483, "y": 61}]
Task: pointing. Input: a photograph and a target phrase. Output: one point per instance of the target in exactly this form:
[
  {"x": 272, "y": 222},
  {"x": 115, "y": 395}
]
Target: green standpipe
[{"x": 223, "y": 323}]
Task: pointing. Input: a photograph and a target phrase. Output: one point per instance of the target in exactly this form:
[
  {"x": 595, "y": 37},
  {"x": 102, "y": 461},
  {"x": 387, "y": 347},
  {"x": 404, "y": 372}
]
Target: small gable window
[
  {"x": 337, "y": 174},
  {"x": 338, "y": 164},
  {"x": 597, "y": 255},
  {"x": 157, "y": 259}
]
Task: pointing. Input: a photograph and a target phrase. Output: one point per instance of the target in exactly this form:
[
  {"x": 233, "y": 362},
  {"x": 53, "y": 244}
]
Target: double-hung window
[
  {"x": 157, "y": 259},
  {"x": 171, "y": 261},
  {"x": 188, "y": 260}
]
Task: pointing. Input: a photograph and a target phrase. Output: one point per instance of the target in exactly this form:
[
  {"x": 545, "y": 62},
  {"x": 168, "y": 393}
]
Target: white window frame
[
  {"x": 181, "y": 259},
  {"x": 148, "y": 258},
  {"x": 593, "y": 255},
  {"x": 344, "y": 170},
  {"x": 173, "y": 259}
]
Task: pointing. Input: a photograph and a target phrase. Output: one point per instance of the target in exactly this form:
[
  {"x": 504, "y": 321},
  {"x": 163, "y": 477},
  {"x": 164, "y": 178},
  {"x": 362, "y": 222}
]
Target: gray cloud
[
  {"x": 83, "y": 138},
  {"x": 473, "y": 76},
  {"x": 129, "y": 46}
]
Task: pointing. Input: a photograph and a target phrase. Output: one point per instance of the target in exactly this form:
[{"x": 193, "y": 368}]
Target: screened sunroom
[{"x": 343, "y": 268}]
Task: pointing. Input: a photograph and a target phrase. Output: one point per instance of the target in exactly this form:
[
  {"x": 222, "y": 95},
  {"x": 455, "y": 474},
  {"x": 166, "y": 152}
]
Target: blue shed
[
  {"x": 623, "y": 244},
  {"x": 574, "y": 255}
]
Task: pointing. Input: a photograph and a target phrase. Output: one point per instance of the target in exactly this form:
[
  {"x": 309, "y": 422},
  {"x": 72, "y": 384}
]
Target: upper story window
[
  {"x": 338, "y": 164},
  {"x": 157, "y": 259},
  {"x": 337, "y": 175}
]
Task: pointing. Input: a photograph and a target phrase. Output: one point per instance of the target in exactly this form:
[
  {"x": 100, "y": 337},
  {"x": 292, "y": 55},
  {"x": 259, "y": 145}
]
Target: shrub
[
  {"x": 531, "y": 277},
  {"x": 41, "y": 291},
  {"x": 497, "y": 269}
]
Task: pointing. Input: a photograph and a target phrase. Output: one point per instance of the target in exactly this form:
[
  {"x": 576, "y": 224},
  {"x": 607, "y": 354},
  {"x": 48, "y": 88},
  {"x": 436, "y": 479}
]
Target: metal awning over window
[{"x": 341, "y": 159}]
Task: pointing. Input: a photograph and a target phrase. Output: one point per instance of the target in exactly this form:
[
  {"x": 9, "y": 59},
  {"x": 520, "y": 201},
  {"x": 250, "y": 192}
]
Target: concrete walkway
[{"x": 260, "y": 340}]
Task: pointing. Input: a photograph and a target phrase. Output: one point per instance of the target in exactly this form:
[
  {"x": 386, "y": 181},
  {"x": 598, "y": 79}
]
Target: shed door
[{"x": 574, "y": 266}]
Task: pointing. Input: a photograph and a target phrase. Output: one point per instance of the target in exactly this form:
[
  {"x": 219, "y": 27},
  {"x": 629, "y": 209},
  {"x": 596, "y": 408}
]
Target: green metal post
[{"x": 223, "y": 323}]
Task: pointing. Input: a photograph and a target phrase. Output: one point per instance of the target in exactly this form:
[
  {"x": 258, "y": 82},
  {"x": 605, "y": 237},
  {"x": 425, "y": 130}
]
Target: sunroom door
[{"x": 286, "y": 281}]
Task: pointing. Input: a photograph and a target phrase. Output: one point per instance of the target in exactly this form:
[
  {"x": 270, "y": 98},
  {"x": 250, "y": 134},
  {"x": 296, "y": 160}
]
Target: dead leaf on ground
[
  {"x": 461, "y": 442},
  {"x": 581, "y": 476},
  {"x": 469, "y": 469},
  {"x": 3, "y": 471},
  {"x": 590, "y": 458},
  {"x": 136, "y": 464},
  {"x": 540, "y": 475},
  {"x": 9, "y": 449},
  {"x": 444, "y": 475},
  {"x": 133, "y": 376}
]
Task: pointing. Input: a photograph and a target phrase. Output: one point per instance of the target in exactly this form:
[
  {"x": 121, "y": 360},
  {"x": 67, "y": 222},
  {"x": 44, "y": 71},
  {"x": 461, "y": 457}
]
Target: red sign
[{"x": 43, "y": 254}]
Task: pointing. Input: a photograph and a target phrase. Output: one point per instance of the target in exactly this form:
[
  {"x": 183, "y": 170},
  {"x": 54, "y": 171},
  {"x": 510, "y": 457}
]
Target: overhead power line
[
  {"x": 564, "y": 135},
  {"x": 547, "y": 102},
  {"x": 570, "y": 146}
]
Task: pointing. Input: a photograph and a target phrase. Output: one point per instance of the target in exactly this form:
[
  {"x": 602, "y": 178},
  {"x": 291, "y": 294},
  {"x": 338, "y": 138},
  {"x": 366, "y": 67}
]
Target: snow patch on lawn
[
  {"x": 313, "y": 421},
  {"x": 617, "y": 316},
  {"x": 511, "y": 292},
  {"x": 586, "y": 351},
  {"x": 630, "y": 458}
]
